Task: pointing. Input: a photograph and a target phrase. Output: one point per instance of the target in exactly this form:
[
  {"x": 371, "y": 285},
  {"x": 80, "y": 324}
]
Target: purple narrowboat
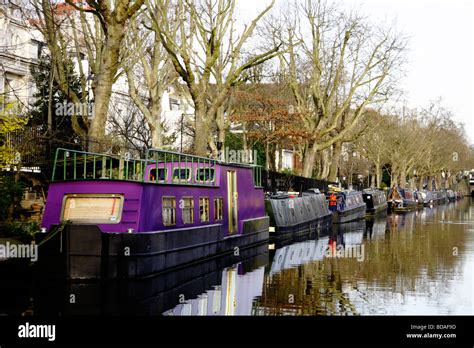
[{"x": 114, "y": 217}]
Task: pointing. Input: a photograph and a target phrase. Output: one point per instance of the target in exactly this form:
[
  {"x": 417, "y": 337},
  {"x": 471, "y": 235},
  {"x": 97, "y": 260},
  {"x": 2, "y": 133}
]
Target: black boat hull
[{"x": 84, "y": 252}]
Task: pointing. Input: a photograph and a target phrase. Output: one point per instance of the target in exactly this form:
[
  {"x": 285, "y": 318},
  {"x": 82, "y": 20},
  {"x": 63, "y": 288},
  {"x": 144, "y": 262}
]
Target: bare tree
[
  {"x": 204, "y": 51},
  {"x": 113, "y": 17},
  {"x": 149, "y": 72},
  {"x": 335, "y": 63}
]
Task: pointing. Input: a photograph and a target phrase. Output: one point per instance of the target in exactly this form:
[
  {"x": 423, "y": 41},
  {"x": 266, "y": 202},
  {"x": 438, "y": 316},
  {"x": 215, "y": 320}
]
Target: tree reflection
[{"x": 417, "y": 255}]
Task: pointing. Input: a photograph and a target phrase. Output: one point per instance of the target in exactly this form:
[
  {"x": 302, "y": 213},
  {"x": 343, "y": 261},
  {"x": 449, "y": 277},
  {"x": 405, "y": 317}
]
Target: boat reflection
[
  {"x": 234, "y": 295},
  {"x": 223, "y": 286}
]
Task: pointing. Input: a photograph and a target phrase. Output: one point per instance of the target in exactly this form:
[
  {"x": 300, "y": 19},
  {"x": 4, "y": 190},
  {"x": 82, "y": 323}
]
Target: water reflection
[
  {"x": 223, "y": 286},
  {"x": 415, "y": 263}
]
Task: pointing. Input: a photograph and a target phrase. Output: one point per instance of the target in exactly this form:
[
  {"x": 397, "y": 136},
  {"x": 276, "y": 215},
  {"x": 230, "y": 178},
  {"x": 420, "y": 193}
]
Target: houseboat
[
  {"x": 400, "y": 200},
  {"x": 443, "y": 196},
  {"x": 451, "y": 195},
  {"x": 112, "y": 217},
  {"x": 350, "y": 206},
  {"x": 427, "y": 197},
  {"x": 419, "y": 199},
  {"x": 291, "y": 215},
  {"x": 375, "y": 201}
]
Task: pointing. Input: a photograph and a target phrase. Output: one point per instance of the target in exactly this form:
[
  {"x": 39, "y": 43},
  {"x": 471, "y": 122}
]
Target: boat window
[
  {"x": 181, "y": 174},
  {"x": 204, "y": 208},
  {"x": 169, "y": 211},
  {"x": 205, "y": 174},
  {"x": 93, "y": 208},
  {"x": 162, "y": 174},
  {"x": 187, "y": 209},
  {"x": 218, "y": 208}
]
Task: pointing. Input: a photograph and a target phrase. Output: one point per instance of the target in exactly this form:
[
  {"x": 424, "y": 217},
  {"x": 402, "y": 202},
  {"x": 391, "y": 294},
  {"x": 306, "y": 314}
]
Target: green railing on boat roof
[
  {"x": 205, "y": 166},
  {"x": 81, "y": 165}
]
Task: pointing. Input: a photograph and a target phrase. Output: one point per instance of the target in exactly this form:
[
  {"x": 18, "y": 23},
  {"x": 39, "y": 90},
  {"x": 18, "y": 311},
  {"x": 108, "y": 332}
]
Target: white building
[{"x": 20, "y": 46}]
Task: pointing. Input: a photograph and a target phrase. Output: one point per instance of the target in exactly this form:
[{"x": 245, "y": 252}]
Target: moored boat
[
  {"x": 375, "y": 201},
  {"x": 451, "y": 195},
  {"x": 428, "y": 197},
  {"x": 400, "y": 200},
  {"x": 291, "y": 215},
  {"x": 419, "y": 199},
  {"x": 350, "y": 206},
  {"x": 110, "y": 217},
  {"x": 443, "y": 197}
]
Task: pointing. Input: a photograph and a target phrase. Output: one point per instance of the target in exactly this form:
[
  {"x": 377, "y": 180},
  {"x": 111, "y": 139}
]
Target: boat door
[{"x": 232, "y": 199}]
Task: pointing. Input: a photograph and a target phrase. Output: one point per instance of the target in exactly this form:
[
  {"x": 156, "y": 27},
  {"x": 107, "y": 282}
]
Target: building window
[
  {"x": 187, "y": 210},
  {"x": 204, "y": 209},
  {"x": 218, "y": 209},
  {"x": 169, "y": 211},
  {"x": 174, "y": 104}
]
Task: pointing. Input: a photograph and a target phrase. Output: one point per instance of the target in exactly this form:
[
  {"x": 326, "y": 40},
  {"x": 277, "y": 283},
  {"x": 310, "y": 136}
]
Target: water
[{"x": 417, "y": 263}]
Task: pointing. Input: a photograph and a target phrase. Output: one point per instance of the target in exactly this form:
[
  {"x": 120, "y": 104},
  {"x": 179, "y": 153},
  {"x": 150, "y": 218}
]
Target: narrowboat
[
  {"x": 427, "y": 197},
  {"x": 375, "y": 201},
  {"x": 451, "y": 195},
  {"x": 443, "y": 197},
  {"x": 350, "y": 206},
  {"x": 113, "y": 217},
  {"x": 292, "y": 215},
  {"x": 419, "y": 199},
  {"x": 400, "y": 200}
]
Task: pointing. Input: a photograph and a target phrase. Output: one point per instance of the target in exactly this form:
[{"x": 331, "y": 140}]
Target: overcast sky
[
  {"x": 440, "y": 56},
  {"x": 440, "y": 59}
]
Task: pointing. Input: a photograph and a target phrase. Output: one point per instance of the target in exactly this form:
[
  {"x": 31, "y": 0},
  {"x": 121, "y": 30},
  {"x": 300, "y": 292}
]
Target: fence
[{"x": 274, "y": 181}]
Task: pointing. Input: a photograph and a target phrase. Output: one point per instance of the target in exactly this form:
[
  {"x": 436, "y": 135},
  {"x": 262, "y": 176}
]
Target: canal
[{"x": 416, "y": 263}]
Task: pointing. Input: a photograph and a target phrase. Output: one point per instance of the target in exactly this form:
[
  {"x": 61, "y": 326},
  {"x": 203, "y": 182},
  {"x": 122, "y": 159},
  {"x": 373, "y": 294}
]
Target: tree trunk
[
  {"x": 103, "y": 84},
  {"x": 325, "y": 164},
  {"x": 308, "y": 161},
  {"x": 403, "y": 178},
  {"x": 438, "y": 181},
  {"x": 378, "y": 173},
  {"x": 420, "y": 182},
  {"x": 201, "y": 132},
  {"x": 155, "y": 124},
  {"x": 430, "y": 183},
  {"x": 394, "y": 177},
  {"x": 336, "y": 156}
]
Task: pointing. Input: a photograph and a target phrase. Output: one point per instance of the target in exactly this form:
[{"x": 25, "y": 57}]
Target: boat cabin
[{"x": 166, "y": 190}]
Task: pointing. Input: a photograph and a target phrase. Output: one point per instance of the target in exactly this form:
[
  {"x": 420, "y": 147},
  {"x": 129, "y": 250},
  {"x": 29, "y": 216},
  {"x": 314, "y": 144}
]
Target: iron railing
[
  {"x": 81, "y": 165},
  {"x": 195, "y": 165}
]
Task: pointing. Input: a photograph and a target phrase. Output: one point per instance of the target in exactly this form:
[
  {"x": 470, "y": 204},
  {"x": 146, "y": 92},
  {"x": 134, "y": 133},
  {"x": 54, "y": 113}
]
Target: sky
[{"x": 441, "y": 43}]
